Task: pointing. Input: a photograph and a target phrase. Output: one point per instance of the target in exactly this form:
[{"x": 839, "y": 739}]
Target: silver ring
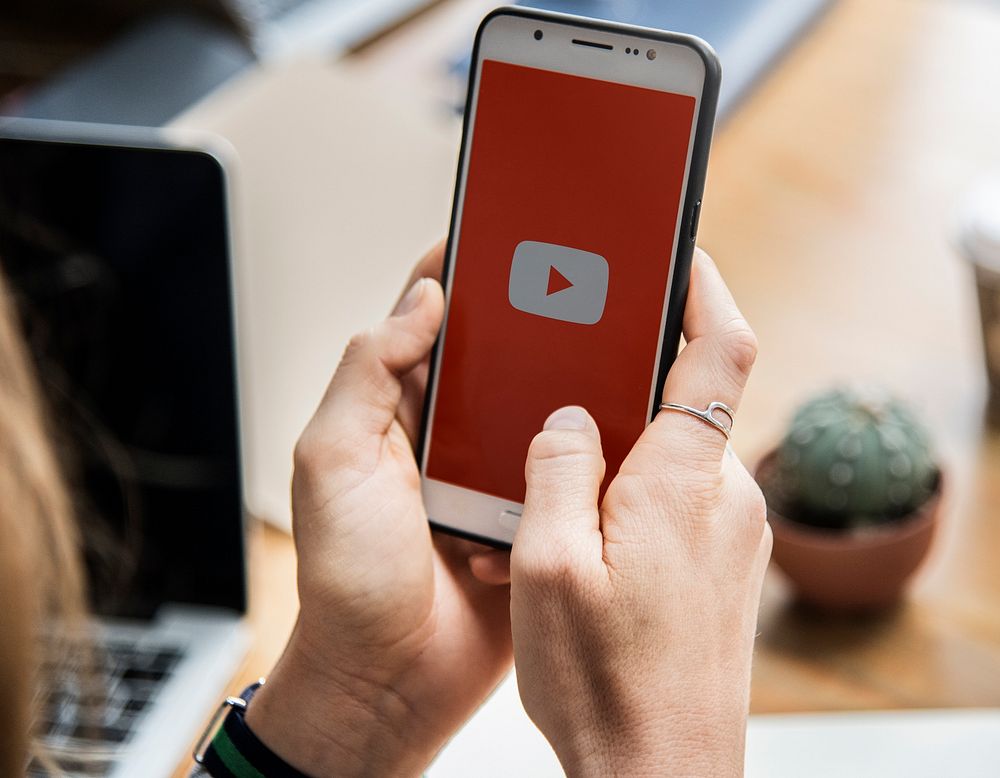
[{"x": 706, "y": 415}]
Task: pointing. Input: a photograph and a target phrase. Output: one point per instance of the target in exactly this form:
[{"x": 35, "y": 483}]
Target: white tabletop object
[
  {"x": 979, "y": 225},
  {"x": 501, "y": 741},
  {"x": 340, "y": 187}
]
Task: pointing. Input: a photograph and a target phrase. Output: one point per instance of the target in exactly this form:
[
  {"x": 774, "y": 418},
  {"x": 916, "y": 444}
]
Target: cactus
[{"x": 853, "y": 458}]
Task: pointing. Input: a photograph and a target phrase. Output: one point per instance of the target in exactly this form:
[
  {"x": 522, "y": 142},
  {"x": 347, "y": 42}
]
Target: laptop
[
  {"x": 116, "y": 247},
  {"x": 168, "y": 61}
]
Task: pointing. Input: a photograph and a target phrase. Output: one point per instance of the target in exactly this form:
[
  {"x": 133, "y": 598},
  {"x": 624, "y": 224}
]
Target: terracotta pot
[{"x": 862, "y": 569}]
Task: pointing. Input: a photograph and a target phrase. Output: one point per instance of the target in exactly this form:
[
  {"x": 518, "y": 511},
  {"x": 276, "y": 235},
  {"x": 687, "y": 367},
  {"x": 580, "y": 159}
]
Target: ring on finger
[{"x": 708, "y": 415}]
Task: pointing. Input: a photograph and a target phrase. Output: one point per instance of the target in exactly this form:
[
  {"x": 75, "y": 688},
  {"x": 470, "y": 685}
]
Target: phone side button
[
  {"x": 695, "y": 215},
  {"x": 509, "y": 520}
]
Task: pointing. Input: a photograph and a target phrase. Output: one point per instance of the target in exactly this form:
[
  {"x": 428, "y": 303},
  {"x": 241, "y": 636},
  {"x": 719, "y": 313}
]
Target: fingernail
[
  {"x": 410, "y": 299},
  {"x": 571, "y": 417}
]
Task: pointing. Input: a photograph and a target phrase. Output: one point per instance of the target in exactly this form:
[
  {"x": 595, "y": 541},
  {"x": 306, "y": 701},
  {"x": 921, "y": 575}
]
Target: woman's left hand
[{"x": 401, "y": 634}]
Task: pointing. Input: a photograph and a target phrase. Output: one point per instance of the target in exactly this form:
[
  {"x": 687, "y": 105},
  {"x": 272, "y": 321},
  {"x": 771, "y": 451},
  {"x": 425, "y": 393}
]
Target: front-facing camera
[{"x": 538, "y": 35}]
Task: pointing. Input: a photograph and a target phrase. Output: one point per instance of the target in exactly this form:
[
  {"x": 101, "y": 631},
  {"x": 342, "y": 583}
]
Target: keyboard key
[
  {"x": 100, "y": 734},
  {"x": 48, "y": 727},
  {"x": 135, "y": 705},
  {"x": 139, "y": 674},
  {"x": 81, "y": 767},
  {"x": 164, "y": 661},
  {"x": 171, "y": 655},
  {"x": 137, "y": 690},
  {"x": 89, "y": 716}
]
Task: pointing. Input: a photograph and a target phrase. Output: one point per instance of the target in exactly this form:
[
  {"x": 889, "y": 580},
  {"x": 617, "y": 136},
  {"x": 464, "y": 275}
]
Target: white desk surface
[{"x": 501, "y": 741}]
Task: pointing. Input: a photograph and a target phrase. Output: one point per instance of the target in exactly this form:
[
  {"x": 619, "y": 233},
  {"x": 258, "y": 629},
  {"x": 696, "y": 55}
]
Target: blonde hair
[{"x": 41, "y": 574}]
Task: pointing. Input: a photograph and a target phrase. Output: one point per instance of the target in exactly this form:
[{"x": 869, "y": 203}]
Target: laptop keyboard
[{"x": 83, "y": 731}]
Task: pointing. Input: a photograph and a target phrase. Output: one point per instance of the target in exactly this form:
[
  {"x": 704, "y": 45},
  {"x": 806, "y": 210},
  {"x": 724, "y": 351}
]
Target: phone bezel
[{"x": 511, "y": 44}]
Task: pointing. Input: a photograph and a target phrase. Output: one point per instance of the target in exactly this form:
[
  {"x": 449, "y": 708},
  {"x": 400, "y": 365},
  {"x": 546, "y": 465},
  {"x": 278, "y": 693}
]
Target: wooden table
[{"x": 829, "y": 208}]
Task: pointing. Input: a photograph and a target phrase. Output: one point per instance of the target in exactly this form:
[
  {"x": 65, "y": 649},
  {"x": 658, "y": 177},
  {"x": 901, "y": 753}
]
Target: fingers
[
  {"x": 363, "y": 396},
  {"x": 721, "y": 348},
  {"x": 713, "y": 367},
  {"x": 491, "y": 567},
  {"x": 564, "y": 470},
  {"x": 429, "y": 266},
  {"x": 415, "y": 382}
]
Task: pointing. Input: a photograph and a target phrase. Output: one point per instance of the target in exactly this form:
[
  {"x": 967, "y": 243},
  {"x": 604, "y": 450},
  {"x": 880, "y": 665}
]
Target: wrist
[
  {"x": 678, "y": 741},
  {"x": 323, "y": 720}
]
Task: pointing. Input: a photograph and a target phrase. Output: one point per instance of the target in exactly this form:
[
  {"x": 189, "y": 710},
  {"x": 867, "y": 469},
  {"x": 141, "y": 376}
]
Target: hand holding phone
[
  {"x": 634, "y": 618},
  {"x": 400, "y": 635},
  {"x": 382, "y": 690}
]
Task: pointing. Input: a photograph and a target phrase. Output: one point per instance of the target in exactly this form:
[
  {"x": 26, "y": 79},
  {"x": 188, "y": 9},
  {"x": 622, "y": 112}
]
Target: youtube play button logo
[{"x": 558, "y": 282}]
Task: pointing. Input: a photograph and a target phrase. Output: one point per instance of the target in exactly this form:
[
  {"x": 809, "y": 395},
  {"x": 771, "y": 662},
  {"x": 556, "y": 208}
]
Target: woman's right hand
[{"x": 634, "y": 622}]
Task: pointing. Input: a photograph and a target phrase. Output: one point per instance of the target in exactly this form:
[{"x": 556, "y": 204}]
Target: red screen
[{"x": 564, "y": 172}]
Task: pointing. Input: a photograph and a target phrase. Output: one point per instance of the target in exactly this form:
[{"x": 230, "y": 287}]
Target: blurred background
[{"x": 852, "y": 204}]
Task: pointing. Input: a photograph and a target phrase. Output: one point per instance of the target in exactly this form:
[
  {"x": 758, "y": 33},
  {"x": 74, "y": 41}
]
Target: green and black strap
[{"x": 236, "y": 752}]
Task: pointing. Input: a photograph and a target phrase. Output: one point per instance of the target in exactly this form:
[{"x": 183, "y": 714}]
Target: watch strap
[{"x": 236, "y": 752}]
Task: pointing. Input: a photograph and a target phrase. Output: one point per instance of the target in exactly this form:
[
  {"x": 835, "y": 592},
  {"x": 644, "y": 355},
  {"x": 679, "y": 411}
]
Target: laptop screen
[{"x": 118, "y": 263}]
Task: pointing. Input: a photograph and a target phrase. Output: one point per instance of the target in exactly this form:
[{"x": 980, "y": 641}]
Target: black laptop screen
[{"x": 118, "y": 263}]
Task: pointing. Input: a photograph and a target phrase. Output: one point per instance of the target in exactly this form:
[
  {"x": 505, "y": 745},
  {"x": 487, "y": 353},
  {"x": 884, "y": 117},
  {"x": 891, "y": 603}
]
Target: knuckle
[
  {"x": 678, "y": 444},
  {"x": 557, "y": 454},
  {"x": 544, "y": 567},
  {"x": 318, "y": 454},
  {"x": 688, "y": 452},
  {"x": 362, "y": 366},
  {"x": 756, "y": 507},
  {"x": 557, "y": 444},
  {"x": 767, "y": 542},
  {"x": 314, "y": 455},
  {"x": 306, "y": 453},
  {"x": 740, "y": 346},
  {"x": 357, "y": 345},
  {"x": 677, "y": 495},
  {"x": 746, "y": 504},
  {"x": 647, "y": 508}
]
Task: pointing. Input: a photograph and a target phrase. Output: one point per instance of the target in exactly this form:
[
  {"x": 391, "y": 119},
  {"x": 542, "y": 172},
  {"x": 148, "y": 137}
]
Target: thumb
[
  {"x": 365, "y": 391},
  {"x": 564, "y": 470}
]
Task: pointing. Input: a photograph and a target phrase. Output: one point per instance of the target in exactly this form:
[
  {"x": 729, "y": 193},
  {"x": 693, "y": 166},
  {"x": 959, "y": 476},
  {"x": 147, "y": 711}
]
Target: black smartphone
[{"x": 576, "y": 208}]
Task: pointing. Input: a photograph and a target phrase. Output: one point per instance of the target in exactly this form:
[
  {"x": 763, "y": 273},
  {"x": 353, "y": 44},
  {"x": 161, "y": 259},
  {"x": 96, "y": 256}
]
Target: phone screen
[{"x": 561, "y": 269}]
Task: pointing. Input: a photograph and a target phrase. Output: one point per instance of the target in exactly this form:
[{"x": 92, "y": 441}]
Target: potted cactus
[{"x": 853, "y": 497}]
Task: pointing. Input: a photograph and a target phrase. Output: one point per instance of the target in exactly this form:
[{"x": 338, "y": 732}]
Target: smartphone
[{"x": 576, "y": 206}]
